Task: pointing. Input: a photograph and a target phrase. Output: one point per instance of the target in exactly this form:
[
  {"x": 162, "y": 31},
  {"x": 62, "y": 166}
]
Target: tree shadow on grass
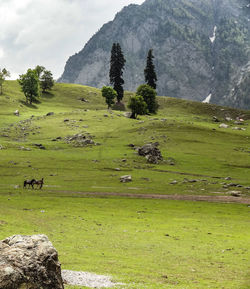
[
  {"x": 47, "y": 94},
  {"x": 28, "y": 104}
]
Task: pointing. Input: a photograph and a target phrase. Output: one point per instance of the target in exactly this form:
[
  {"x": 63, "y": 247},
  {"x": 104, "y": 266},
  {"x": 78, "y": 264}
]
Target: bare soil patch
[{"x": 193, "y": 198}]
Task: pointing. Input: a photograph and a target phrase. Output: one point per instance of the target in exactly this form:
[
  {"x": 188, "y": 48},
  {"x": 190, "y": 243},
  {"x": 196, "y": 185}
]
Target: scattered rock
[
  {"x": 24, "y": 149},
  {"x": 170, "y": 161},
  {"x": 127, "y": 114},
  {"x": 126, "y": 179},
  {"x": 1, "y": 147},
  {"x": 238, "y": 128},
  {"x": 29, "y": 262},
  {"x": 66, "y": 120},
  {"x": 174, "y": 182},
  {"x": 228, "y": 178},
  {"x": 80, "y": 140},
  {"x": 117, "y": 169},
  {"x": 215, "y": 119},
  {"x": 50, "y": 113},
  {"x": 235, "y": 194},
  {"x": 40, "y": 146},
  {"x": 131, "y": 145},
  {"x": 16, "y": 112},
  {"x": 124, "y": 160},
  {"x": 151, "y": 152},
  {"x": 228, "y": 118},
  {"x": 105, "y": 115},
  {"x": 223, "y": 125},
  {"x": 83, "y": 99}
]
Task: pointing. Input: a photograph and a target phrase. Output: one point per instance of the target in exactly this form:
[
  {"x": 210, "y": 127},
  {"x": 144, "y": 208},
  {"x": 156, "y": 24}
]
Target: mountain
[{"x": 201, "y": 48}]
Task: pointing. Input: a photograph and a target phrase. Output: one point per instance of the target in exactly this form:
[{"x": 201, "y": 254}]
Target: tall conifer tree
[
  {"x": 117, "y": 62},
  {"x": 149, "y": 71}
]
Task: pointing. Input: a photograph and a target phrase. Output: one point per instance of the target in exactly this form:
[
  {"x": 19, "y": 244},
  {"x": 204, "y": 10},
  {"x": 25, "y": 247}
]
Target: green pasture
[
  {"x": 142, "y": 243},
  {"x": 145, "y": 244}
]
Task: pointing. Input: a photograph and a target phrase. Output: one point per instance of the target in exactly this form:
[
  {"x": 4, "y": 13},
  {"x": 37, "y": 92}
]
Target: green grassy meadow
[{"x": 144, "y": 243}]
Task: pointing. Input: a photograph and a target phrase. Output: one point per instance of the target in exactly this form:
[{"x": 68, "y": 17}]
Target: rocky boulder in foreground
[{"x": 29, "y": 262}]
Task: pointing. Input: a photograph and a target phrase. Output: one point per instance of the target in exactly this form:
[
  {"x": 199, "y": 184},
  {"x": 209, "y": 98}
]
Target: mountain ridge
[{"x": 188, "y": 63}]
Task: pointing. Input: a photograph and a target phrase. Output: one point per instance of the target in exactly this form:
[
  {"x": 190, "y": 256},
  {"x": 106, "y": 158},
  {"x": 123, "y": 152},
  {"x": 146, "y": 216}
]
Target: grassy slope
[
  {"x": 136, "y": 241},
  {"x": 187, "y": 135}
]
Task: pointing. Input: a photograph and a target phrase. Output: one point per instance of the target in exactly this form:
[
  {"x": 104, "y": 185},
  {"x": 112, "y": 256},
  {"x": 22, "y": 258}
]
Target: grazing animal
[
  {"x": 29, "y": 183},
  {"x": 39, "y": 183}
]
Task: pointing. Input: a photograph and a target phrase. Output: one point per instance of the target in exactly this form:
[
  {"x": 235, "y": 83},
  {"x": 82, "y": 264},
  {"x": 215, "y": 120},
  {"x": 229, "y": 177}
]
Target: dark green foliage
[
  {"x": 46, "y": 80},
  {"x": 39, "y": 70},
  {"x": 109, "y": 94},
  {"x": 3, "y": 74},
  {"x": 137, "y": 105},
  {"x": 29, "y": 85},
  {"x": 149, "y": 71},
  {"x": 117, "y": 62},
  {"x": 149, "y": 96}
]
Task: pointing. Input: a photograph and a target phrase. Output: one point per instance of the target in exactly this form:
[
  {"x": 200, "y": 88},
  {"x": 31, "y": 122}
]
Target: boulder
[
  {"x": 16, "y": 112},
  {"x": 223, "y": 125},
  {"x": 215, "y": 119},
  {"x": 151, "y": 152},
  {"x": 126, "y": 179},
  {"x": 50, "y": 113},
  {"x": 29, "y": 262},
  {"x": 127, "y": 114}
]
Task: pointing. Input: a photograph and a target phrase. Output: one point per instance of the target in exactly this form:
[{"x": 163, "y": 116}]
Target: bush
[
  {"x": 109, "y": 94},
  {"x": 137, "y": 105},
  {"x": 149, "y": 96}
]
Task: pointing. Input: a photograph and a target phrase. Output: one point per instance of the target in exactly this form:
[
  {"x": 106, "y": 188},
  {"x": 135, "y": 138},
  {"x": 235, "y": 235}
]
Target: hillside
[
  {"x": 153, "y": 232},
  {"x": 201, "y": 48},
  {"x": 186, "y": 132}
]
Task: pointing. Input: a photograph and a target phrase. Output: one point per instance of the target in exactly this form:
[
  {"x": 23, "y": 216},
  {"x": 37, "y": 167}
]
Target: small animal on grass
[
  {"x": 39, "y": 183},
  {"x": 29, "y": 183}
]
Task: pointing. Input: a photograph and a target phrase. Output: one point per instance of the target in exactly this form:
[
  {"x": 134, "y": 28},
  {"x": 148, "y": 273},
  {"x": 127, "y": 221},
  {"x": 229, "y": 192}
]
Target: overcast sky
[{"x": 47, "y": 32}]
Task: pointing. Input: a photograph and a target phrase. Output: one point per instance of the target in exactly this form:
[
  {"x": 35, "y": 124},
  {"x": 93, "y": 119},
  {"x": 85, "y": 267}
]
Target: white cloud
[
  {"x": 47, "y": 32},
  {"x": 1, "y": 53}
]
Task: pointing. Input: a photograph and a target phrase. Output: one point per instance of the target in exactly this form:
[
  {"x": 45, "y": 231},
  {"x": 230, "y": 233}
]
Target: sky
[{"x": 47, "y": 32}]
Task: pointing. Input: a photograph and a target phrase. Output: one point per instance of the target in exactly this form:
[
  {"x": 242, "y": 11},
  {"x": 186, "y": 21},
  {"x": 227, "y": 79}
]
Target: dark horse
[
  {"x": 39, "y": 183},
  {"x": 29, "y": 183}
]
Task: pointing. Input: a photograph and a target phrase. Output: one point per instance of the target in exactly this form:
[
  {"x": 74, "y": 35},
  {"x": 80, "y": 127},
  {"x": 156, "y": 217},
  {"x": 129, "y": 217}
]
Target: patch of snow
[
  {"x": 207, "y": 99},
  {"x": 212, "y": 38}
]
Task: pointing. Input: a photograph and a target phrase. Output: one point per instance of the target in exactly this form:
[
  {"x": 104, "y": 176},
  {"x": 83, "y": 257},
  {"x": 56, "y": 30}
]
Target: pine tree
[
  {"x": 149, "y": 71},
  {"x": 117, "y": 62}
]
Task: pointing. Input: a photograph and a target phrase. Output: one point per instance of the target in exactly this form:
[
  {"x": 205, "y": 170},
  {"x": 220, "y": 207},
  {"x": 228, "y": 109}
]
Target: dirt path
[{"x": 195, "y": 198}]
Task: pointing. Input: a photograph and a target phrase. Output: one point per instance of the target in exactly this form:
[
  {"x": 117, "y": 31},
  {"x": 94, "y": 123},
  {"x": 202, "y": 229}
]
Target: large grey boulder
[
  {"x": 29, "y": 262},
  {"x": 151, "y": 152}
]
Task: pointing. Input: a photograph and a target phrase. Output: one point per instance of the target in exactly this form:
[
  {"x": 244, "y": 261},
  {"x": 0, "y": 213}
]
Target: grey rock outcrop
[
  {"x": 151, "y": 153},
  {"x": 200, "y": 48},
  {"x": 29, "y": 262}
]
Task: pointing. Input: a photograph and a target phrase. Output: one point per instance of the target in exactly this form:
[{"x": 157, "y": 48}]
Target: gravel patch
[{"x": 87, "y": 279}]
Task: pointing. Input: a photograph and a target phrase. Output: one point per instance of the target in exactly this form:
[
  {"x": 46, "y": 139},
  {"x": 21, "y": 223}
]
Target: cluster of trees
[
  {"x": 35, "y": 80},
  {"x": 4, "y": 73},
  {"x": 145, "y": 99}
]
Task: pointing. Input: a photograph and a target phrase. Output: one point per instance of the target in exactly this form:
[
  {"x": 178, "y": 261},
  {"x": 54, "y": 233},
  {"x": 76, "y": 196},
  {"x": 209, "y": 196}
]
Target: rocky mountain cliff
[{"x": 201, "y": 48}]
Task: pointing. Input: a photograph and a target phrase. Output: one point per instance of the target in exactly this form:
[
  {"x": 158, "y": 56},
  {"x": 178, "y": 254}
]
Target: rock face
[
  {"x": 29, "y": 262},
  {"x": 201, "y": 48},
  {"x": 151, "y": 152}
]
